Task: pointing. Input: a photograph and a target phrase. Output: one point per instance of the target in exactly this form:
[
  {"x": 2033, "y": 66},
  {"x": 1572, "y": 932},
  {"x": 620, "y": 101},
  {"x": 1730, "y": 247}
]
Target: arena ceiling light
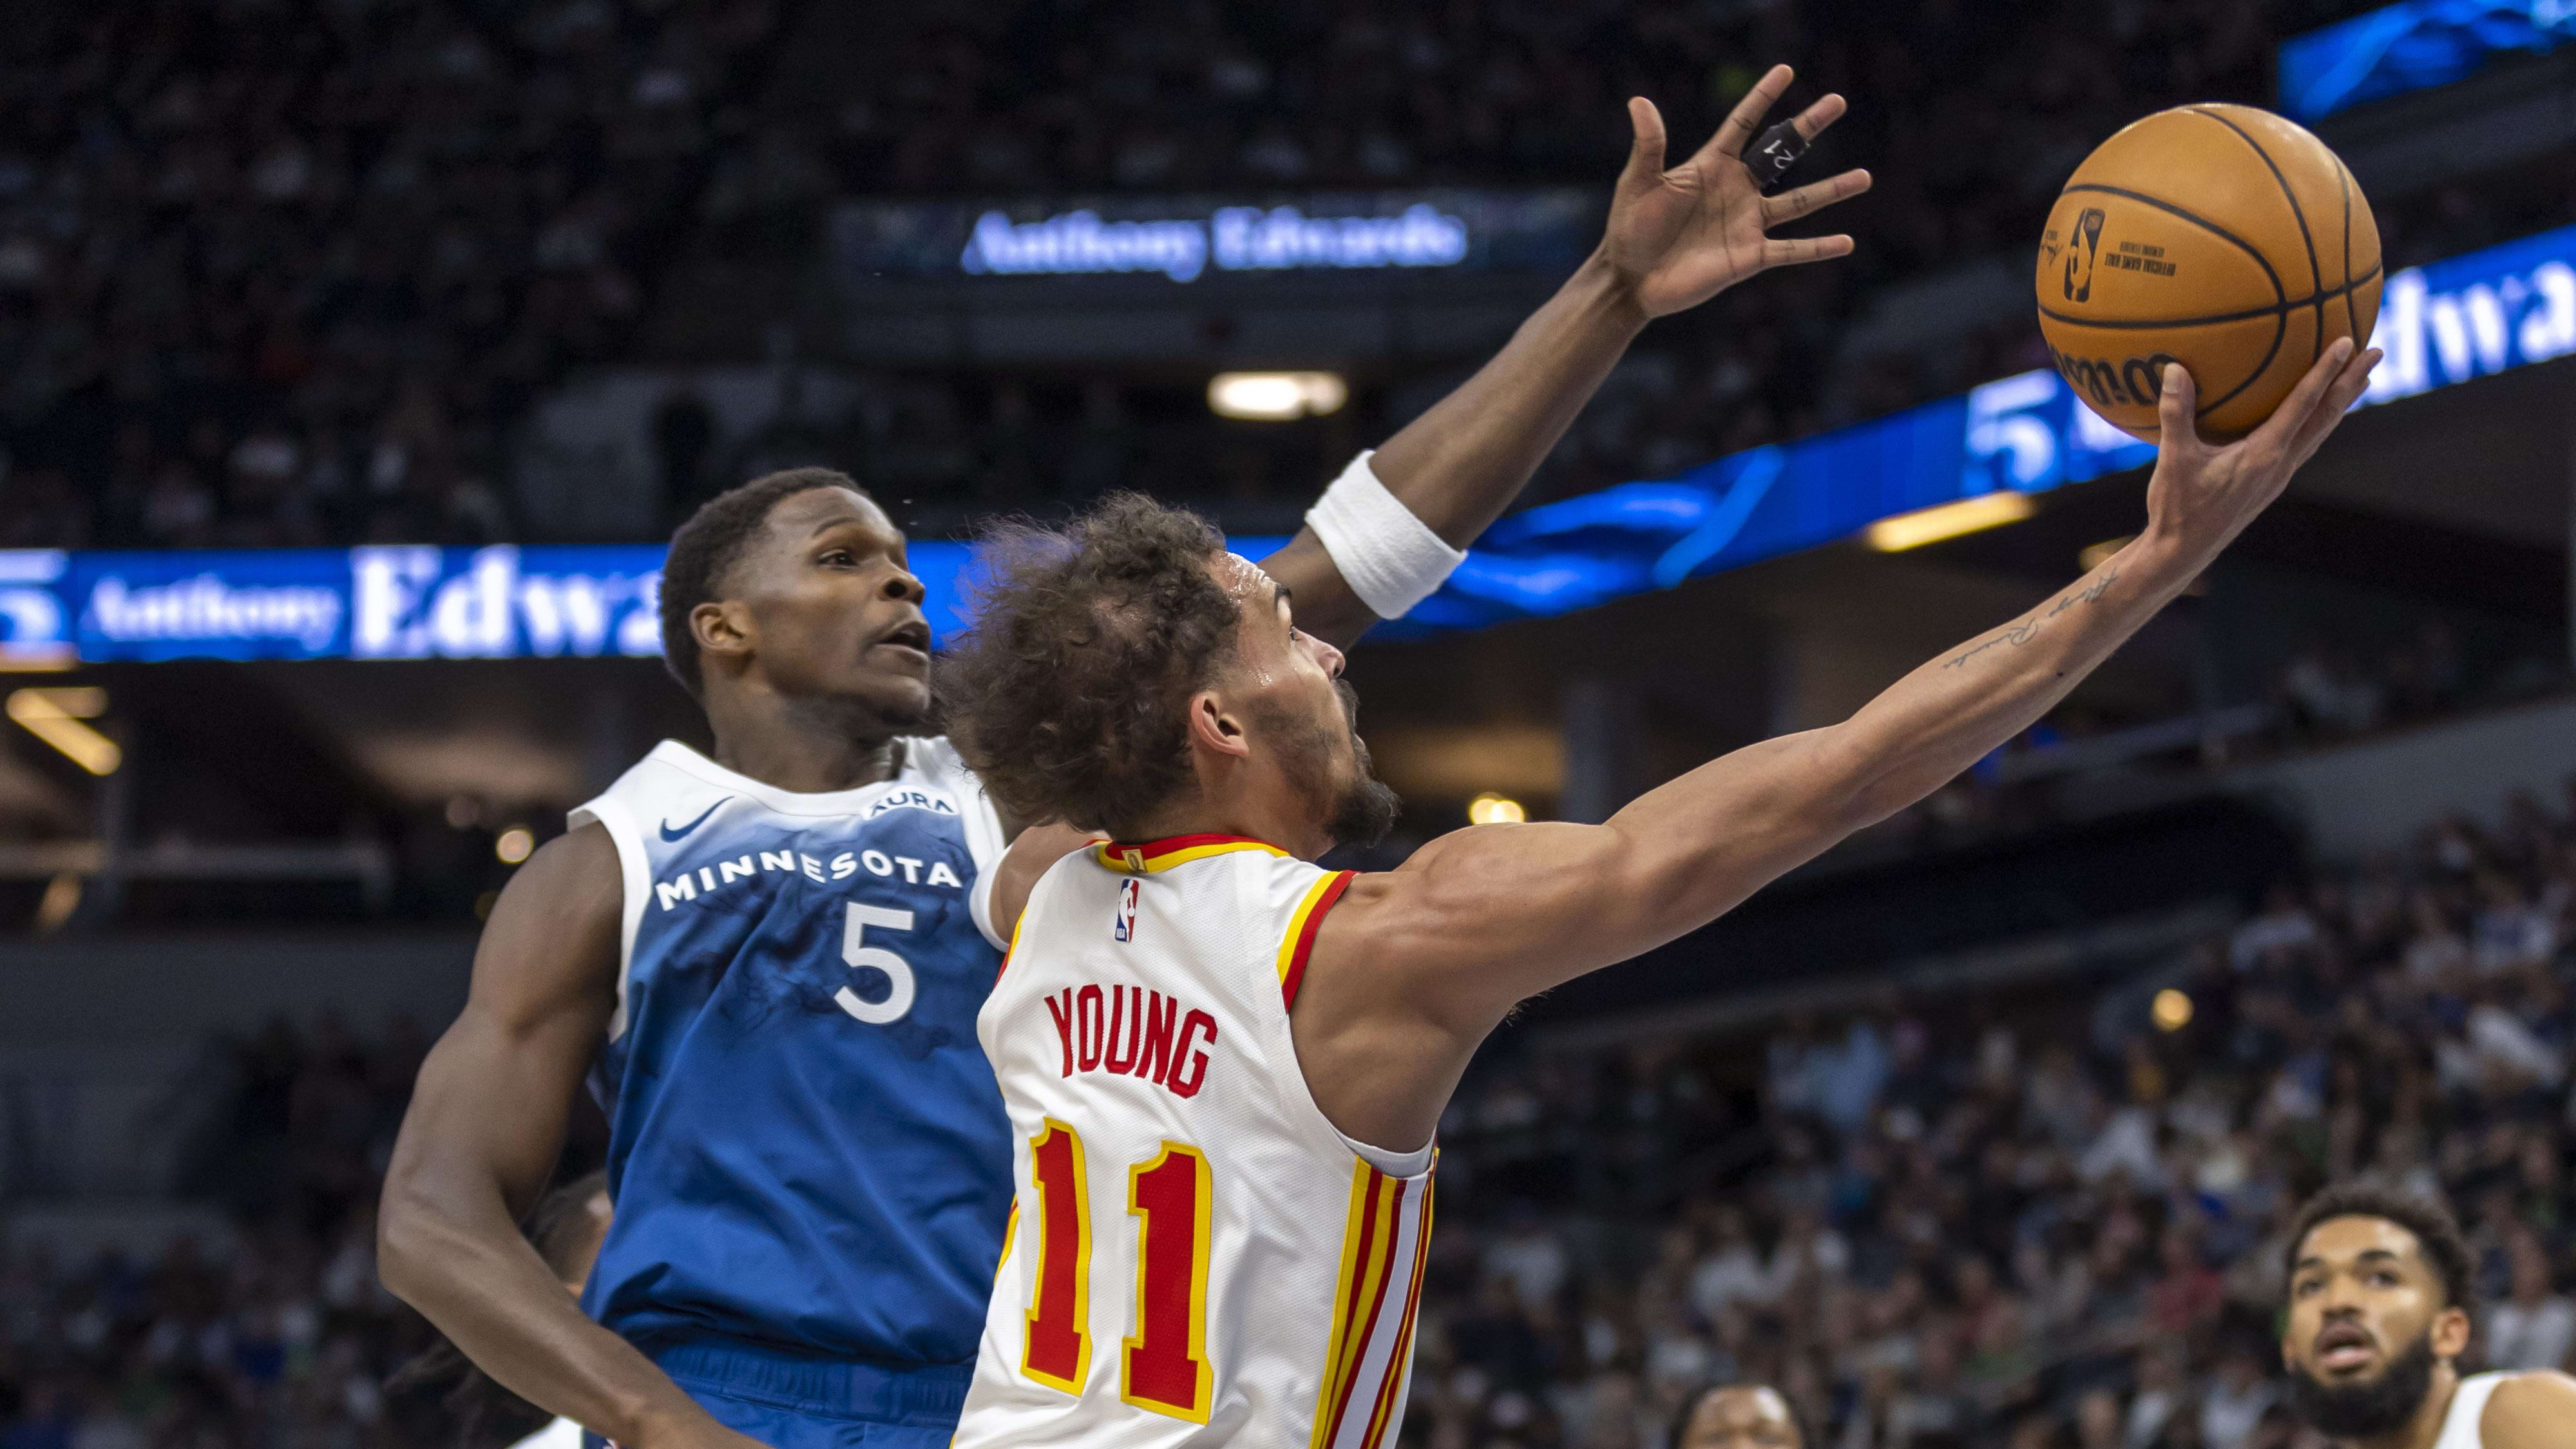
[
  {"x": 1276, "y": 397},
  {"x": 55, "y": 715},
  {"x": 1492, "y": 809},
  {"x": 1931, "y": 525}
]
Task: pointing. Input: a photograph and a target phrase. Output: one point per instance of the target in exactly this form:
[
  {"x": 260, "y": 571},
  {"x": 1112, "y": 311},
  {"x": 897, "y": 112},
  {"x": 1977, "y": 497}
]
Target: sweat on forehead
[{"x": 1244, "y": 579}]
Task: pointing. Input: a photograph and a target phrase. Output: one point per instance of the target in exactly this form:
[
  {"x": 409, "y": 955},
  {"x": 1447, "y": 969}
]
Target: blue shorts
[{"x": 797, "y": 1402}]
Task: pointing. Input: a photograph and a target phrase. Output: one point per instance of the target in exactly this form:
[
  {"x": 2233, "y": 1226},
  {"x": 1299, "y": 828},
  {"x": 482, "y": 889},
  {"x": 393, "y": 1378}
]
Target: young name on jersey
[{"x": 1197, "y": 1257}]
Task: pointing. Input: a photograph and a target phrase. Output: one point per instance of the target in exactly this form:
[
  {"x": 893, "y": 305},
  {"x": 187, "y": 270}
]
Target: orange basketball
[{"x": 2221, "y": 237}]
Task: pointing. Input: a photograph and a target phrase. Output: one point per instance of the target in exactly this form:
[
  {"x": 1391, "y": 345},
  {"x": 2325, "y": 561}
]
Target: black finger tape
[{"x": 1770, "y": 157}]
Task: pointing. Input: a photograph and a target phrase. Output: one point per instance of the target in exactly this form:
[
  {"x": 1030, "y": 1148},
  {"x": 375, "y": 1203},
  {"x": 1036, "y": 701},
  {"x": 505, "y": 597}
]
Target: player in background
[
  {"x": 2376, "y": 1324},
  {"x": 1739, "y": 1416},
  {"x": 1212, "y": 738},
  {"x": 774, "y": 957}
]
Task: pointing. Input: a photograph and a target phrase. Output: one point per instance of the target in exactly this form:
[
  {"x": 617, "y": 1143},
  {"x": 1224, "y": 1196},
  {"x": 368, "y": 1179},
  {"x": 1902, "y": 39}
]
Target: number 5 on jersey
[
  {"x": 856, "y": 952},
  {"x": 1163, "y": 1365}
]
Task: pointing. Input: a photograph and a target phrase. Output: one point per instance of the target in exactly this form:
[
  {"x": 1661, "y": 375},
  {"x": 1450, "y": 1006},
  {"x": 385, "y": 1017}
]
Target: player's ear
[
  {"x": 2450, "y": 1332},
  {"x": 722, "y": 627},
  {"x": 1214, "y": 727}
]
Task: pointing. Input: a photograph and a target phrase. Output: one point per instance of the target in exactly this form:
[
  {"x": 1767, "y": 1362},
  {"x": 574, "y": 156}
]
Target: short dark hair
[
  {"x": 1691, "y": 1401},
  {"x": 1067, "y": 693},
  {"x": 708, "y": 546},
  {"x": 2437, "y": 1233}
]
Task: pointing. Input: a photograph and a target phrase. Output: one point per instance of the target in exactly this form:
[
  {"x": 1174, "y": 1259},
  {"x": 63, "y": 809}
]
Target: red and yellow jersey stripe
[
  {"x": 1384, "y": 1244},
  {"x": 1156, "y": 855},
  {"x": 1299, "y": 941}
]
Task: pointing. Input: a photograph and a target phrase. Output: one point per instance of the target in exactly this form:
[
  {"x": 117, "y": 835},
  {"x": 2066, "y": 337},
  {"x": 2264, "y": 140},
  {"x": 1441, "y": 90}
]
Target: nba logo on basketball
[{"x": 1124, "y": 928}]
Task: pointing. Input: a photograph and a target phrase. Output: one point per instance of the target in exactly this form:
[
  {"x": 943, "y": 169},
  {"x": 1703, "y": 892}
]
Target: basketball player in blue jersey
[{"x": 769, "y": 962}]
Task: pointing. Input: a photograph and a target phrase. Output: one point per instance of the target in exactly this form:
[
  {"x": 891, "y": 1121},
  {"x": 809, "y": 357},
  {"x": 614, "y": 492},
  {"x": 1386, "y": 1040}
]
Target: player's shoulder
[
  {"x": 2529, "y": 1410},
  {"x": 579, "y": 871},
  {"x": 933, "y": 760},
  {"x": 933, "y": 755},
  {"x": 669, "y": 772}
]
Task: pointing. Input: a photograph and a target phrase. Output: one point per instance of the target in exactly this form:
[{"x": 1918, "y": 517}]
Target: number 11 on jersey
[{"x": 1163, "y": 1365}]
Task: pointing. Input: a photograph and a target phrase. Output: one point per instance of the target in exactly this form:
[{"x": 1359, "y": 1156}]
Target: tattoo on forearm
[{"x": 2020, "y": 634}]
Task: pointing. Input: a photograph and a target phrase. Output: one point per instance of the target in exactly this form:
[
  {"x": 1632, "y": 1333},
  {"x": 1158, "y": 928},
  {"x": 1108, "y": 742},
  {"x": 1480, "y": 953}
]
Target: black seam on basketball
[
  {"x": 2280, "y": 329},
  {"x": 2316, "y": 273},
  {"x": 2351, "y": 309},
  {"x": 2249, "y": 314},
  {"x": 2280, "y": 293}
]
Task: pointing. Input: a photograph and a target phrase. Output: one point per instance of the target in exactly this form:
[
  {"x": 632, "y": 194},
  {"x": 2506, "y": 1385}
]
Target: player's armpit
[
  {"x": 2534, "y": 1410},
  {"x": 483, "y": 1132}
]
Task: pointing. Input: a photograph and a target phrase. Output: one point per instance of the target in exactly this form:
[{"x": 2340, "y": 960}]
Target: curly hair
[
  {"x": 708, "y": 546},
  {"x": 1068, "y": 693},
  {"x": 2437, "y": 1234}
]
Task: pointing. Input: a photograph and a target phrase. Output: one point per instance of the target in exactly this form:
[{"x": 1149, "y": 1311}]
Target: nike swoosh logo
[{"x": 670, "y": 834}]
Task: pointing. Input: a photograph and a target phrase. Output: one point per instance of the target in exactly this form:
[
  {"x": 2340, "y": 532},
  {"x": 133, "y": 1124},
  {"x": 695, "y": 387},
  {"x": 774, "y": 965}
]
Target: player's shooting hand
[
  {"x": 2202, "y": 494},
  {"x": 1680, "y": 237}
]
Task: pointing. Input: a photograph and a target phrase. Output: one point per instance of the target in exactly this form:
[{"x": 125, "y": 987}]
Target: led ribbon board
[
  {"x": 2413, "y": 46},
  {"x": 1189, "y": 239},
  {"x": 2469, "y": 316}
]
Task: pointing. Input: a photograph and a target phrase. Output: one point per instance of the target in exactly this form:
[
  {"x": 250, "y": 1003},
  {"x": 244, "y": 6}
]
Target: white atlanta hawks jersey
[{"x": 1197, "y": 1257}]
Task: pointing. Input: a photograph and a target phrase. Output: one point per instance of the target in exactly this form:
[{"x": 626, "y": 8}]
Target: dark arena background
[{"x": 358, "y": 356}]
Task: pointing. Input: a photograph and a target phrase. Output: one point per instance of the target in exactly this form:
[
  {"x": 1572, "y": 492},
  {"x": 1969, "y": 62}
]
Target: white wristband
[{"x": 1390, "y": 558}]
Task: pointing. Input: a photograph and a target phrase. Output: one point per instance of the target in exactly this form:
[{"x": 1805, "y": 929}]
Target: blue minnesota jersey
[{"x": 807, "y": 1151}]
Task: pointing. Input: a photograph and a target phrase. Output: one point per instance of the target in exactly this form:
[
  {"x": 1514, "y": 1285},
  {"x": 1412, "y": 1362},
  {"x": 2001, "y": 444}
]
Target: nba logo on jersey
[{"x": 1124, "y": 928}]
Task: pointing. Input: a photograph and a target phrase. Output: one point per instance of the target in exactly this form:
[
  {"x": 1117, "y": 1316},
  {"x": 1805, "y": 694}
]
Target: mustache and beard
[
  {"x": 1363, "y": 809},
  {"x": 2365, "y": 1410}
]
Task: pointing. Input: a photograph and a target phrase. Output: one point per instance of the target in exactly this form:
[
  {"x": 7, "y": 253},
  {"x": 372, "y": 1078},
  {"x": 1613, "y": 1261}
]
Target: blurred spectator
[
  {"x": 2535, "y": 1328},
  {"x": 2035, "y": 1235}
]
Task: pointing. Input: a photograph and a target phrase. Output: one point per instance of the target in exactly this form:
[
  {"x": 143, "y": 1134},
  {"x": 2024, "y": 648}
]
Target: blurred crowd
[
  {"x": 282, "y": 271},
  {"x": 278, "y": 272},
  {"x": 2044, "y": 1217},
  {"x": 1973, "y": 110},
  {"x": 2043, "y": 1222},
  {"x": 272, "y": 1331}
]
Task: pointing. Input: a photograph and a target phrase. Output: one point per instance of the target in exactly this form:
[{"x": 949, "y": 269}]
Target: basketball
[{"x": 2218, "y": 236}]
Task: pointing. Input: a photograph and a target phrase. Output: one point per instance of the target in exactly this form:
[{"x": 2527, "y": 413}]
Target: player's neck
[
  {"x": 1282, "y": 822},
  {"x": 782, "y": 745},
  {"x": 2424, "y": 1430}
]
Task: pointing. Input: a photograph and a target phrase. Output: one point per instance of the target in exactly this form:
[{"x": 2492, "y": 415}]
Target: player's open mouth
[
  {"x": 2344, "y": 1346},
  {"x": 911, "y": 639}
]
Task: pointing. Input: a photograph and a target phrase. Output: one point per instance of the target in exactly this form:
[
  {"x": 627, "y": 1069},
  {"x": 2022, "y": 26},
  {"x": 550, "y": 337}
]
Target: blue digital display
[
  {"x": 1187, "y": 239},
  {"x": 2413, "y": 46},
  {"x": 2447, "y": 322}
]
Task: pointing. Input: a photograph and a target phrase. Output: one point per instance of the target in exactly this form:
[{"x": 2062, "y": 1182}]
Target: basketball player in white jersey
[
  {"x": 769, "y": 961},
  {"x": 2375, "y": 1327},
  {"x": 1223, "y": 1065}
]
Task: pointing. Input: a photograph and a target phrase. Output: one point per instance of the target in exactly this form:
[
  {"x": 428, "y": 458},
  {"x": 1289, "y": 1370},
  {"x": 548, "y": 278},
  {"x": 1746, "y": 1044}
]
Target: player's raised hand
[
  {"x": 2202, "y": 493},
  {"x": 1683, "y": 235}
]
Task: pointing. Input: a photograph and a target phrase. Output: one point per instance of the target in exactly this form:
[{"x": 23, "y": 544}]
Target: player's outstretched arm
[
  {"x": 485, "y": 1127},
  {"x": 1676, "y": 237},
  {"x": 1417, "y": 964}
]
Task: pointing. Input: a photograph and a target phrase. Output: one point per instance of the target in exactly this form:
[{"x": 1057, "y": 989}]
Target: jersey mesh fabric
[
  {"x": 797, "y": 1164},
  {"x": 2461, "y": 1424},
  {"x": 1309, "y": 1262}
]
